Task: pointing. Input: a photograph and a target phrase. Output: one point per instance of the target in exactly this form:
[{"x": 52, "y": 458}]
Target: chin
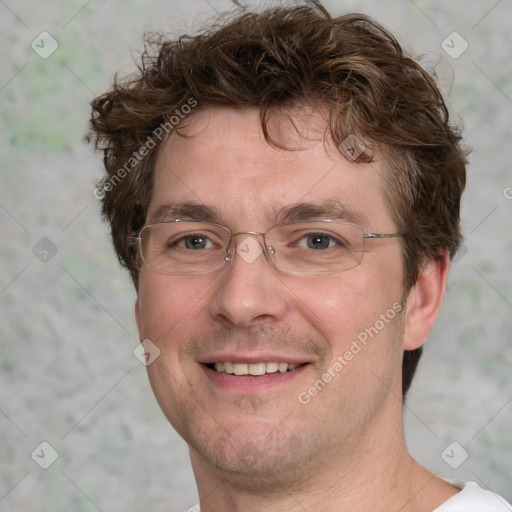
[{"x": 253, "y": 460}]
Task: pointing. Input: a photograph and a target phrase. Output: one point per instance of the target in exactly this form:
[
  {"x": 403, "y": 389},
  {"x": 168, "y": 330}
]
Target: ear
[
  {"x": 424, "y": 301},
  {"x": 138, "y": 316}
]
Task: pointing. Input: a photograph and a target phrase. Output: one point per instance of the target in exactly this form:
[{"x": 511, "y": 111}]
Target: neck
[{"x": 378, "y": 475}]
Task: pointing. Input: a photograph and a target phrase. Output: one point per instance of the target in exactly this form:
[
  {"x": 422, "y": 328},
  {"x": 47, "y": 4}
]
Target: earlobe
[{"x": 424, "y": 301}]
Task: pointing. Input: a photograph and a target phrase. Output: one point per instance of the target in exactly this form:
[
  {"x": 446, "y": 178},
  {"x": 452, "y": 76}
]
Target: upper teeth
[{"x": 253, "y": 368}]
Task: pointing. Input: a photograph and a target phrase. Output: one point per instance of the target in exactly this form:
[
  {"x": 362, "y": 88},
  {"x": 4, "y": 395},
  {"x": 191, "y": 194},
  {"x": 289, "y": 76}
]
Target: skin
[{"x": 265, "y": 450}]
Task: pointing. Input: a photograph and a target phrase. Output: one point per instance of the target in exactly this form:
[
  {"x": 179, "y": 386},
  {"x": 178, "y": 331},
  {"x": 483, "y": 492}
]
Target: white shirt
[{"x": 471, "y": 498}]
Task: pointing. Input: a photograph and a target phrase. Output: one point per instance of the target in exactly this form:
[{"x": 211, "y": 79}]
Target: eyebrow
[
  {"x": 330, "y": 209},
  {"x": 297, "y": 212},
  {"x": 186, "y": 211}
]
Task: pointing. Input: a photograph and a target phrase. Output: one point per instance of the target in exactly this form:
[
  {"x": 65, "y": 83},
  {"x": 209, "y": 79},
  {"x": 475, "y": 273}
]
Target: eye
[
  {"x": 193, "y": 242},
  {"x": 319, "y": 241}
]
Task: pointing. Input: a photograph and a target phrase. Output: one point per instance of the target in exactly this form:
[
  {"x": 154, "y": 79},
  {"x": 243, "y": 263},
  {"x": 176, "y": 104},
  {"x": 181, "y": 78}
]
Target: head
[{"x": 252, "y": 115}]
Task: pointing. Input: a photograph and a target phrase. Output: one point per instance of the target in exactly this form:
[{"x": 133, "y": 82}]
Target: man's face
[{"x": 248, "y": 312}]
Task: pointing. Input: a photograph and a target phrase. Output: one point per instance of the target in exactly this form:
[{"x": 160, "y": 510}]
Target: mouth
[
  {"x": 250, "y": 374},
  {"x": 253, "y": 369}
]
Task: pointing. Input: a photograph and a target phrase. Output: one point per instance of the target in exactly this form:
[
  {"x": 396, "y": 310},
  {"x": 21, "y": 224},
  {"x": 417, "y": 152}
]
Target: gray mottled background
[{"x": 67, "y": 372}]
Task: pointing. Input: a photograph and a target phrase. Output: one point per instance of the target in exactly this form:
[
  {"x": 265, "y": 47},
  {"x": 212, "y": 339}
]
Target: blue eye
[
  {"x": 194, "y": 242},
  {"x": 318, "y": 241}
]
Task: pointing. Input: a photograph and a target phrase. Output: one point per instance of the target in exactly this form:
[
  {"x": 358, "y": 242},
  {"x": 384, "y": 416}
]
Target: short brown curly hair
[{"x": 275, "y": 60}]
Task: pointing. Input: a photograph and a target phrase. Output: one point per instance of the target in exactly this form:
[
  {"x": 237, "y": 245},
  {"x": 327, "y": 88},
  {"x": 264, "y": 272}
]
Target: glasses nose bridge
[
  {"x": 251, "y": 233},
  {"x": 254, "y": 233},
  {"x": 231, "y": 247}
]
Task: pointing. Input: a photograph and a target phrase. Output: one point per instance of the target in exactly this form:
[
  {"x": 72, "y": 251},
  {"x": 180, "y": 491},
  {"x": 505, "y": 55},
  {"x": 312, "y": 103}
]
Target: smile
[{"x": 253, "y": 369}]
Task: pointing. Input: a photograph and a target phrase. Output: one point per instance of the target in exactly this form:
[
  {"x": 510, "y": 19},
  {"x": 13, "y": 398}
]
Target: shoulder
[{"x": 472, "y": 498}]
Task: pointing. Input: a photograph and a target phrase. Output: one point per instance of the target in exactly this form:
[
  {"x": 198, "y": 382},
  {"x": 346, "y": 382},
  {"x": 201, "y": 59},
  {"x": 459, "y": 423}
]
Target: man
[{"x": 284, "y": 189}]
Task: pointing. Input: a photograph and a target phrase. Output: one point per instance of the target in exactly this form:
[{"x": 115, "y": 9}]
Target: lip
[
  {"x": 252, "y": 359},
  {"x": 247, "y": 384}
]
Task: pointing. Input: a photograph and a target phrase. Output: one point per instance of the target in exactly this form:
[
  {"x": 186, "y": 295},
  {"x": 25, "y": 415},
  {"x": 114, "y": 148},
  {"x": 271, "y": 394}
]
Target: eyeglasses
[{"x": 312, "y": 247}]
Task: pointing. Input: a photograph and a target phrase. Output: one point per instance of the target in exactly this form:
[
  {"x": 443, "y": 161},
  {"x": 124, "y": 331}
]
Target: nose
[{"x": 250, "y": 293}]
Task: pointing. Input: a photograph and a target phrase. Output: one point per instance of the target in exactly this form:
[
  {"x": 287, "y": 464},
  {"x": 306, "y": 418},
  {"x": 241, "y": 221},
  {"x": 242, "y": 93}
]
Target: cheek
[
  {"x": 169, "y": 310},
  {"x": 340, "y": 306},
  {"x": 166, "y": 304},
  {"x": 356, "y": 312}
]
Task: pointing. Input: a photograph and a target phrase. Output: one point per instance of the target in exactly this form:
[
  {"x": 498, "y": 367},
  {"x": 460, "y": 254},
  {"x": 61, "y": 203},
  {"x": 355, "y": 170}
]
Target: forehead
[{"x": 224, "y": 163}]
